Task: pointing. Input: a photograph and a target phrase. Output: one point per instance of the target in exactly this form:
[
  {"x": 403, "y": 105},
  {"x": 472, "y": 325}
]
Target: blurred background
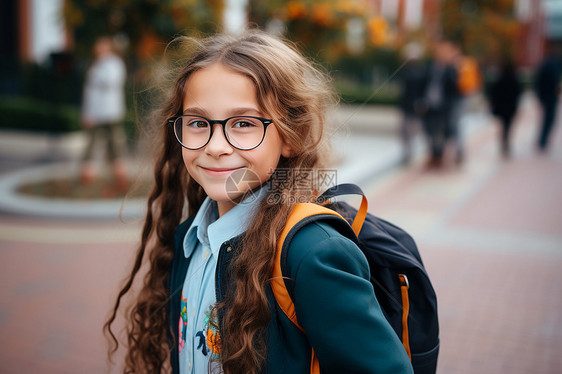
[
  {"x": 447, "y": 120},
  {"x": 47, "y": 45}
]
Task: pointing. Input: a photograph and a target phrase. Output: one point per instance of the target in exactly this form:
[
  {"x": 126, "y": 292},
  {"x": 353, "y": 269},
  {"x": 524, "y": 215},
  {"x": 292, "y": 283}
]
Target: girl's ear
[{"x": 286, "y": 150}]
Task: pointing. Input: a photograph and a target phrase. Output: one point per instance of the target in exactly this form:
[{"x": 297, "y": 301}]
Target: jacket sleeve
[{"x": 336, "y": 305}]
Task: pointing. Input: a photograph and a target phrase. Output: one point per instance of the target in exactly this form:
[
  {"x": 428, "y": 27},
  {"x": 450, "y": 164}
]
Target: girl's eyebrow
[
  {"x": 233, "y": 112},
  {"x": 244, "y": 111},
  {"x": 195, "y": 110}
]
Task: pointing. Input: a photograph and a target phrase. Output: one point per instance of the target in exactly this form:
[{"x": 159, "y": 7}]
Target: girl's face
[{"x": 217, "y": 93}]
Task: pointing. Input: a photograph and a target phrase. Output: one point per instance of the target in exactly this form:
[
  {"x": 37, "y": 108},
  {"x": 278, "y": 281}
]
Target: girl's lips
[{"x": 218, "y": 172}]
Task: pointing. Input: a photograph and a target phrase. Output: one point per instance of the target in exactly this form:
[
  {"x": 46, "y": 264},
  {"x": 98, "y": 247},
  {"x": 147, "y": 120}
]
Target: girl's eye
[
  {"x": 243, "y": 123},
  {"x": 200, "y": 124}
]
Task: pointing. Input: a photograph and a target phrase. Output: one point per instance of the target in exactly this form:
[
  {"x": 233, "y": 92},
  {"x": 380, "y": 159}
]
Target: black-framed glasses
[{"x": 241, "y": 132}]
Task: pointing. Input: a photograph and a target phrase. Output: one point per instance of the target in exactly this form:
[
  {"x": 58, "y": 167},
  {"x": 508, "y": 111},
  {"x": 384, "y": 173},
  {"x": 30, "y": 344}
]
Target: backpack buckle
[{"x": 404, "y": 280}]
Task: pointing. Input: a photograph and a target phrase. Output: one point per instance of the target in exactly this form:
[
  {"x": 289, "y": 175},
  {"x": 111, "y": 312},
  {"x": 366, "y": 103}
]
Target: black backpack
[{"x": 400, "y": 281}]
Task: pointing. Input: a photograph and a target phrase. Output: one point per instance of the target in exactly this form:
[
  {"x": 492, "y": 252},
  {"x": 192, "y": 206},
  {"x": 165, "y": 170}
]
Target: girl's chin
[
  {"x": 223, "y": 196},
  {"x": 228, "y": 196}
]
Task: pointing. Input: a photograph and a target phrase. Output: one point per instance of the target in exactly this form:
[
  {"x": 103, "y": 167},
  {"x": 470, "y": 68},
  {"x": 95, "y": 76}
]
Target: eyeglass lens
[{"x": 241, "y": 132}]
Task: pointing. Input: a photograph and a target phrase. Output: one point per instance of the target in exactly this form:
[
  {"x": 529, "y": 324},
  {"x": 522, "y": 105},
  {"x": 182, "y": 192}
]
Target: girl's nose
[{"x": 218, "y": 145}]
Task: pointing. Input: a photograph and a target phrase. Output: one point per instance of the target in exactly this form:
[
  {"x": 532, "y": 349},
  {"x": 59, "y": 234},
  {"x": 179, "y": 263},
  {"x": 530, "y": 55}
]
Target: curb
[{"x": 11, "y": 201}]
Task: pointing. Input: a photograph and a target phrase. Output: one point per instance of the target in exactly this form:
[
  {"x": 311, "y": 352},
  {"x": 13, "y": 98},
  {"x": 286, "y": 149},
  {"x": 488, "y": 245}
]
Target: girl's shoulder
[{"x": 319, "y": 243}]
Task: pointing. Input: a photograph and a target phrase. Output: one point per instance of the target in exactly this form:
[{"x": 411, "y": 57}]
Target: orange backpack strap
[
  {"x": 348, "y": 189},
  {"x": 299, "y": 213}
]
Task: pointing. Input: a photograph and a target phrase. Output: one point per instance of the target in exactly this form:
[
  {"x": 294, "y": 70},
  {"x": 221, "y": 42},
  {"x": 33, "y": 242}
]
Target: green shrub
[
  {"x": 353, "y": 93},
  {"x": 21, "y": 113}
]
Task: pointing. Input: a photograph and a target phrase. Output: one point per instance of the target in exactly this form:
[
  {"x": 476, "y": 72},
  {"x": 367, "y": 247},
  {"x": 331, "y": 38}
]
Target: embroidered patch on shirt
[
  {"x": 208, "y": 338},
  {"x": 213, "y": 336},
  {"x": 183, "y": 323}
]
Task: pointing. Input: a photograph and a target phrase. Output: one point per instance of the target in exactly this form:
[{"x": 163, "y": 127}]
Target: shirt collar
[
  {"x": 208, "y": 212},
  {"x": 209, "y": 229}
]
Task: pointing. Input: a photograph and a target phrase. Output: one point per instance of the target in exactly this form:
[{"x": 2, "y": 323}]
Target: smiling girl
[{"x": 246, "y": 112}]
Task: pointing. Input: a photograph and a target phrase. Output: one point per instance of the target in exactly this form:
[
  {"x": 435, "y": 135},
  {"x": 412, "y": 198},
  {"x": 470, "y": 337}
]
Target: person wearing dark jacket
[
  {"x": 504, "y": 99},
  {"x": 440, "y": 94},
  {"x": 245, "y": 113},
  {"x": 547, "y": 87},
  {"x": 411, "y": 95}
]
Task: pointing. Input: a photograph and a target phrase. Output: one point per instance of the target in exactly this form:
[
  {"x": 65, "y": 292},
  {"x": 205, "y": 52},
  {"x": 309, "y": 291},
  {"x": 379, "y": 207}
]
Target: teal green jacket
[{"x": 334, "y": 300}]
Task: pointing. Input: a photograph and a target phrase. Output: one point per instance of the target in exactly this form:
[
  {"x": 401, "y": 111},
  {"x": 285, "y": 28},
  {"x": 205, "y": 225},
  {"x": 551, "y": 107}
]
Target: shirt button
[{"x": 229, "y": 249}]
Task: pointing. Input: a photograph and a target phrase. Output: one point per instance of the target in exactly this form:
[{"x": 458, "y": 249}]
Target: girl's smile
[
  {"x": 219, "y": 92},
  {"x": 219, "y": 172}
]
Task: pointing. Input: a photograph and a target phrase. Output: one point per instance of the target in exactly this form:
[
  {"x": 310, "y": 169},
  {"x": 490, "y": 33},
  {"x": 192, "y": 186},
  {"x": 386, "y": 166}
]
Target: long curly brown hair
[{"x": 296, "y": 95}]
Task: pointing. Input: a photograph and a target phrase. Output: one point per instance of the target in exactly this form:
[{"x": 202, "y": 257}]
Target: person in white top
[{"x": 103, "y": 108}]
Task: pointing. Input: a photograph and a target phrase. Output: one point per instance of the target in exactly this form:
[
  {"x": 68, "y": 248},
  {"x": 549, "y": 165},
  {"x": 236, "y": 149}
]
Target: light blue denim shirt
[{"x": 202, "y": 243}]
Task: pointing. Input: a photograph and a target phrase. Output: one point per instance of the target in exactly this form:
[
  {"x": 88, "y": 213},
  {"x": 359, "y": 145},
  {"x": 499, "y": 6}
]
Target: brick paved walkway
[
  {"x": 58, "y": 282},
  {"x": 490, "y": 234}
]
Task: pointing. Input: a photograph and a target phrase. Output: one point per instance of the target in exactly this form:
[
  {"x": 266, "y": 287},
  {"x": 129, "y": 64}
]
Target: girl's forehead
[
  {"x": 218, "y": 90},
  {"x": 218, "y": 76}
]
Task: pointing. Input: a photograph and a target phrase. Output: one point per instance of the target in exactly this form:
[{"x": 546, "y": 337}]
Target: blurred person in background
[
  {"x": 411, "y": 95},
  {"x": 440, "y": 93},
  {"x": 103, "y": 109},
  {"x": 469, "y": 81},
  {"x": 505, "y": 92},
  {"x": 547, "y": 87}
]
